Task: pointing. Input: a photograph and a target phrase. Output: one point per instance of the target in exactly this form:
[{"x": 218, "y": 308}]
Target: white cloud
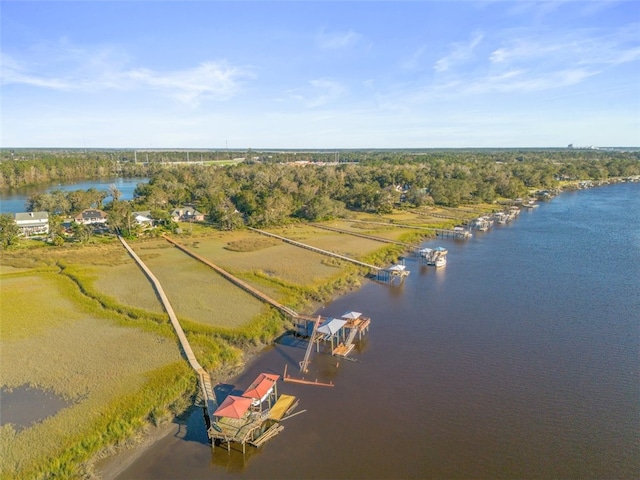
[
  {"x": 460, "y": 53},
  {"x": 414, "y": 61},
  {"x": 320, "y": 92},
  {"x": 209, "y": 80},
  {"x": 337, "y": 40},
  {"x": 74, "y": 69}
]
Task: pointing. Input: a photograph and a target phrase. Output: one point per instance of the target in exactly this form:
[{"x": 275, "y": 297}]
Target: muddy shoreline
[{"x": 115, "y": 460}]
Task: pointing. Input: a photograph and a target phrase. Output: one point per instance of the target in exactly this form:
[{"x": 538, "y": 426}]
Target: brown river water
[{"x": 519, "y": 359}]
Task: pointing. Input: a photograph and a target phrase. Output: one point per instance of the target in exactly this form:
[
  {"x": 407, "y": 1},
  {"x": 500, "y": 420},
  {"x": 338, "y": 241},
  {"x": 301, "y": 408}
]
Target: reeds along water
[{"x": 517, "y": 360}]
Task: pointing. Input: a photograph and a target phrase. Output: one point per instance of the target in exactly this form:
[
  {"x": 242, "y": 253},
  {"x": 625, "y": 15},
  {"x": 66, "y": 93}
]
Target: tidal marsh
[{"x": 55, "y": 339}]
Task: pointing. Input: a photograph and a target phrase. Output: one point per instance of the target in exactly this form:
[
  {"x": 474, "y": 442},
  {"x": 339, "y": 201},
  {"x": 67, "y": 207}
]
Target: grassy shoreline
[
  {"x": 98, "y": 280},
  {"x": 96, "y": 424}
]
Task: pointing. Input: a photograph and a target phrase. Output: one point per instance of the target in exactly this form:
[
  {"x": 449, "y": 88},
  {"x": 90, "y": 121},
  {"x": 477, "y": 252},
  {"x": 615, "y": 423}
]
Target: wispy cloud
[
  {"x": 319, "y": 92},
  {"x": 539, "y": 9},
  {"x": 415, "y": 60},
  {"x": 207, "y": 81},
  {"x": 98, "y": 70},
  {"x": 337, "y": 40},
  {"x": 459, "y": 53}
]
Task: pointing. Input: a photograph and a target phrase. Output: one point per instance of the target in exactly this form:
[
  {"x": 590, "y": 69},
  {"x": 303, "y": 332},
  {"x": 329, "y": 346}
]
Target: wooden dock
[
  {"x": 358, "y": 325},
  {"x": 235, "y": 280},
  {"x": 364, "y": 235},
  {"x": 204, "y": 378},
  {"x": 317, "y": 250},
  {"x": 439, "y": 232},
  {"x": 255, "y": 427}
]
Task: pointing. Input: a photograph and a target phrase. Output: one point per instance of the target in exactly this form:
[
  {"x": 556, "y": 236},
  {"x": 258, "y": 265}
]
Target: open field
[{"x": 350, "y": 246}]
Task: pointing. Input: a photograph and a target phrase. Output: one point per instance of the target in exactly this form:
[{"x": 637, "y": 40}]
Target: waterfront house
[
  {"x": 186, "y": 214},
  {"x": 32, "y": 223},
  {"x": 91, "y": 216},
  {"x": 143, "y": 219}
]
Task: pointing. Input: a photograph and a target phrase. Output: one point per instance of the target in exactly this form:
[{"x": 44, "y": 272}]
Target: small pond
[{"x": 24, "y": 406}]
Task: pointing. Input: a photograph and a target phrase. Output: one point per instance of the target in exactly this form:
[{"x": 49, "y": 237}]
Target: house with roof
[
  {"x": 186, "y": 214},
  {"x": 143, "y": 219},
  {"x": 91, "y": 216},
  {"x": 32, "y": 223}
]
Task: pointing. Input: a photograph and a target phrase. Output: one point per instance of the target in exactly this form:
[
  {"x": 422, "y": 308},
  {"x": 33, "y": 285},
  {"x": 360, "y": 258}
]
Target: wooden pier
[
  {"x": 317, "y": 250},
  {"x": 440, "y": 232},
  {"x": 204, "y": 379},
  {"x": 358, "y": 325},
  {"x": 363, "y": 235},
  {"x": 249, "y": 424}
]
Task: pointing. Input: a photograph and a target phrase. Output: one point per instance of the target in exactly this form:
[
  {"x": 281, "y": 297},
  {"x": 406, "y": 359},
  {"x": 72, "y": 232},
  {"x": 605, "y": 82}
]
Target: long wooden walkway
[
  {"x": 356, "y": 326},
  {"x": 316, "y": 249},
  {"x": 440, "y": 232},
  {"x": 235, "y": 280},
  {"x": 364, "y": 235},
  {"x": 203, "y": 377}
]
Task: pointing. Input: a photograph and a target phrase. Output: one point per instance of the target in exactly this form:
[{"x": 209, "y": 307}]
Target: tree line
[{"x": 275, "y": 191}]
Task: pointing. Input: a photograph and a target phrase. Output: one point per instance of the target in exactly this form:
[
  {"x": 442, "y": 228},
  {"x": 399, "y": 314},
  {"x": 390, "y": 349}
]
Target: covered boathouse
[{"x": 253, "y": 417}]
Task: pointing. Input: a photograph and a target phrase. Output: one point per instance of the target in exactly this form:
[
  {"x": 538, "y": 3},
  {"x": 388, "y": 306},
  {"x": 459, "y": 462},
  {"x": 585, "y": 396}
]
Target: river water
[
  {"x": 519, "y": 359},
  {"x": 15, "y": 200}
]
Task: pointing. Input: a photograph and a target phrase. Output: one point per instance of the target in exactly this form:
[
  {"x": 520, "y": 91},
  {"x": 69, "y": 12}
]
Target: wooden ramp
[
  {"x": 343, "y": 350},
  {"x": 281, "y": 407}
]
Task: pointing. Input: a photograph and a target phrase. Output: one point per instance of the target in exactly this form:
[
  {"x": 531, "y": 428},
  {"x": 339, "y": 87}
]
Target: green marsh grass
[
  {"x": 92, "y": 314},
  {"x": 128, "y": 285},
  {"x": 279, "y": 260},
  {"x": 55, "y": 338},
  {"x": 196, "y": 291}
]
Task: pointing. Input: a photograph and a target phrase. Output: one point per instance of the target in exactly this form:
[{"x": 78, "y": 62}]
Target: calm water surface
[
  {"x": 15, "y": 200},
  {"x": 519, "y": 360}
]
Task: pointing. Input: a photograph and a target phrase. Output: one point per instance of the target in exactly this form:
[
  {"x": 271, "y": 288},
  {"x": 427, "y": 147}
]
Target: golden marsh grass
[
  {"x": 54, "y": 339},
  {"x": 128, "y": 285},
  {"x": 197, "y": 292}
]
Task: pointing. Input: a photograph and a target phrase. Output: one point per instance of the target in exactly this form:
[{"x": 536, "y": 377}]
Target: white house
[
  {"x": 91, "y": 216},
  {"x": 142, "y": 218},
  {"x": 32, "y": 223}
]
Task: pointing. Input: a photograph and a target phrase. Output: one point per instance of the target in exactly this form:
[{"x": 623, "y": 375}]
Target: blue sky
[{"x": 329, "y": 74}]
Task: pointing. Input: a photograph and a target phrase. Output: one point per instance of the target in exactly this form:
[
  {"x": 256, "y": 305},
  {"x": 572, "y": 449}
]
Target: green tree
[
  {"x": 81, "y": 232},
  {"x": 9, "y": 231}
]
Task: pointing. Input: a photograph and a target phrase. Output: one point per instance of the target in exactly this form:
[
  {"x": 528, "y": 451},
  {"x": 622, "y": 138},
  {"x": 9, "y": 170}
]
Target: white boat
[
  {"x": 482, "y": 223},
  {"x": 436, "y": 257},
  {"x": 440, "y": 257}
]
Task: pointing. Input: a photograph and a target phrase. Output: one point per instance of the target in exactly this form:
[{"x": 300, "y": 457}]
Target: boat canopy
[
  {"x": 233, "y": 407},
  {"x": 351, "y": 315},
  {"x": 261, "y": 387},
  {"x": 331, "y": 326},
  {"x": 396, "y": 268}
]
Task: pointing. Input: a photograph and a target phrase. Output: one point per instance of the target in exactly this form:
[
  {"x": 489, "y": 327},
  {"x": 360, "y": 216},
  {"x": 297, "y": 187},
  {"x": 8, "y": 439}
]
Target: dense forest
[{"x": 274, "y": 188}]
